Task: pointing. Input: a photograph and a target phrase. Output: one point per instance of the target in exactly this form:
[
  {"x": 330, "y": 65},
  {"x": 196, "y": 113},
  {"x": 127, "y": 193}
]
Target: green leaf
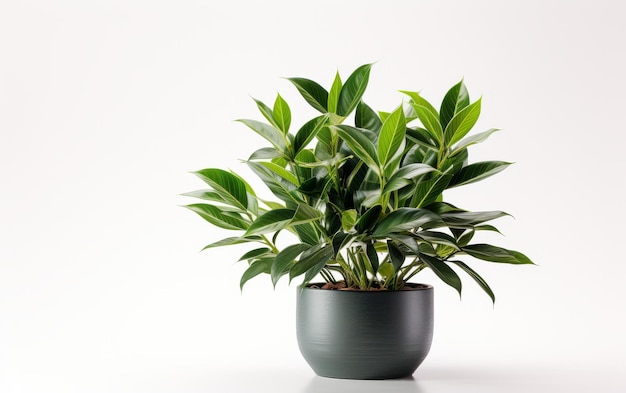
[
  {"x": 333, "y": 97},
  {"x": 481, "y": 282},
  {"x": 311, "y": 262},
  {"x": 353, "y": 90},
  {"x": 470, "y": 219},
  {"x": 360, "y": 145},
  {"x": 312, "y": 92},
  {"x": 266, "y": 111},
  {"x": 305, "y": 213},
  {"x": 257, "y": 252},
  {"x": 366, "y": 117},
  {"x": 472, "y": 140},
  {"x": 215, "y": 216},
  {"x": 391, "y": 136},
  {"x": 369, "y": 219},
  {"x": 268, "y": 132},
  {"x": 477, "y": 171},
  {"x": 281, "y": 172},
  {"x": 282, "y": 114},
  {"x": 396, "y": 255},
  {"x": 443, "y": 271},
  {"x": 308, "y": 131},
  {"x": 279, "y": 187},
  {"x": 430, "y": 121},
  {"x": 405, "y": 175},
  {"x": 307, "y": 233},
  {"x": 260, "y": 266},
  {"x": 230, "y": 187},
  {"x": 266, "y": 153},
  {"x": 427, "y": 191},
  {"x": 285, "y": 259},
  {"x": 348, "y": 219},
  {"x": 462, "y": 123},
  {"x": 271, "y": 221},
  {"x": 438, "y": 238},
  {"x": 372, "y": 255},
  {"x": 455, "y": 100},
  {"x": 404, "y": 219},
  {"x": 229, "y": 241},
  {"x": 490, "y": 253}
]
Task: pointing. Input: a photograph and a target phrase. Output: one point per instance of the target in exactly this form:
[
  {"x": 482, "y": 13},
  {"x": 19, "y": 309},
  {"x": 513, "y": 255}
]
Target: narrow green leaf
[
  {"x": 421, "y": 101},
  {"x": 477, "y": 171},
  {"x": 266, "y": 111},
  {"x": 333, "y": 97},
  {"x": 368, "y": 220},
  {"x": 490, "y": 253},
  {"x": 366, "y": 117},
  {"x": 260, "y": 266},
  {"x": 307, "y": 233},
  {"x": 348, "y": 219},
  {"x": 396, "y": 255},
  {"x": 472, "y": 140},
  {"x": 443, "y": 271},
  {"x": 255, "y": 253},
  {"x": 470, "y": 219},
  {"x": 285, "y": 259},
  {"x": 271, "y": 221},
  {"x": 353, "y": 90},
  {"x": 404, "y": 219},
  {"x": 268, "y": 132},
  {"x": 481, "y": 282},
  {"x": 372, "y": 255},
  {"x": 428, "y": 191},
  {"x": 311, "y": 261},
  {"x": 360, "y": 145},
  {"x": 462, "y": 123},
  {"x": 454, "y": 101},
  {"x": 305, "y": 213},
  {"x": 405, "y": 175},
  {"x": 308, "y": 131},
  {"x": 281, "y": 172},
  {"x": 434, "y": 237},
  {"x": 218, "y": 218},
  {"x": 312, "y": 92},
  {"x": 282, "y": 189},
  {"x": 391, "y": 136},
  {"x": 266, "y": 153},
  {"x": 282, "y": 114},
  {"x": 229, "y": 241},
  {"x": 230, "y": 187},
  {"x": 430, "y": 121}
]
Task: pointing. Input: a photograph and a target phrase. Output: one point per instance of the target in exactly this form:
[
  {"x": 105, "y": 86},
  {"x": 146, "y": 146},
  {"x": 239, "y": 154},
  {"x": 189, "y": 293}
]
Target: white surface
[{"x": 106, "y": 105}]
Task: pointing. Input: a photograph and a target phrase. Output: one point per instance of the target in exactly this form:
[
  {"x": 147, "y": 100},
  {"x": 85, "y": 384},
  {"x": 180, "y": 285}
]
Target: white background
[{"x": 105, "y": 106}]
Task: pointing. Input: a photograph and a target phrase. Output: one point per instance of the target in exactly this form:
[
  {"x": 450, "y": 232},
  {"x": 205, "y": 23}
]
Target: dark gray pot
[{"x": 364, "y": 334}]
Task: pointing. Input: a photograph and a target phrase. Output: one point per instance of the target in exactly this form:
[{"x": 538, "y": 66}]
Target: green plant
[{"x": 365, "y": 201}]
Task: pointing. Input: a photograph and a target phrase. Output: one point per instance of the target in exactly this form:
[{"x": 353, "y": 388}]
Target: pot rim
[{"x": 423, "y": 287}]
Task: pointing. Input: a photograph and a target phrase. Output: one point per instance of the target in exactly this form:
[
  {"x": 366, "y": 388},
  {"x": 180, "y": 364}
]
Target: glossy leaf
[
  {"x": 396, "y": 255},
  {"x": 261, "y": 266},
  {"x": 405, "y": 175},
  {"x": 472, "y": 140},
  {"x": 369, "y": 219},
  {"x": 372, "y": 256},
  {"x": 265, "y": 153},
  {"x": 490, "y": 253},
  {"x": 255, "y": 253},
  {"x": 391, "y": 136},
  {"x": 403, "y": 219},
  {"x": 268, "y": 132},
  {"x": 218, "y": 218},
  {"x": 430, "y": 121},
  {"x": 434, "y": 237},
  {"x": 333, "y": 96},
  {"x": 282, "y": 189},
  {"x": 281, "y": 172},
  {"x": 443, "y": 271},
  {"x": 271, "y": 221},
  {"x": 231, "y": 188},
  {"x": 230, "y": 241},
  {"x": 366, "y": 117},
  {"x": 470, "y": 219},
  {"x": 308, "y": 131},
  {"x": 427, "y": 191},
  {"x": 481, "y": 282},
  {"x": 266, "y": 111},
  {"x": 359, "y": 144},
  {"x": 348, "y": 219},
  {"x": 285, "y": 259},
  {"x": 476, "y": 172},
  {"x": 313, "y": 261},
  {"x": 282, "y": 114},
  {"x": 454, "y": 101},
  {"x": 312, "y": 92},
  {"x": 353, "y": 90},
  {"x": 462, "y": 122}
]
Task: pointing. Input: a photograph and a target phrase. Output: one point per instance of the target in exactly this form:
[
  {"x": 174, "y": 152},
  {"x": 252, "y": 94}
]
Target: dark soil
[{"x": 341, "y": 286}]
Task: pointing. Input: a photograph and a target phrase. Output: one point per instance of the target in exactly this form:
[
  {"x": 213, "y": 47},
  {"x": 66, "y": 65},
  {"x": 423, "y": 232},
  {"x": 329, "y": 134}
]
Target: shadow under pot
[{"x": 364, "y": 334}]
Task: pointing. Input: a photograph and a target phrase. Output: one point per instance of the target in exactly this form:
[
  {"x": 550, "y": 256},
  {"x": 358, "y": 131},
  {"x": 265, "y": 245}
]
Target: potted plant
[{"x": 359, "y": 206}]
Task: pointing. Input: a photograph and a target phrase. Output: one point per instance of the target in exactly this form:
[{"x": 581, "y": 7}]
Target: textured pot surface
[{"x": 364, "y": 334}]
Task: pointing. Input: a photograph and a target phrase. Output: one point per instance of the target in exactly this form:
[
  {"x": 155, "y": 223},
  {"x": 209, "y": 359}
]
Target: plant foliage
[{"x": 364, "y": 201}]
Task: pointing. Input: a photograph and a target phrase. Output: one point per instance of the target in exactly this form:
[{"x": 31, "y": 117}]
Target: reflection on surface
[{"x": 323, "y": 385}]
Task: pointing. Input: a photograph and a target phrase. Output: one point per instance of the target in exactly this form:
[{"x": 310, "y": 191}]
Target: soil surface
[{"x": 341, "y": 286}]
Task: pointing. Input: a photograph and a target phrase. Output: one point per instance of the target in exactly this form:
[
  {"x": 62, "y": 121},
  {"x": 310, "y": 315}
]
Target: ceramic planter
[{"x": 364, "y": 334}]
